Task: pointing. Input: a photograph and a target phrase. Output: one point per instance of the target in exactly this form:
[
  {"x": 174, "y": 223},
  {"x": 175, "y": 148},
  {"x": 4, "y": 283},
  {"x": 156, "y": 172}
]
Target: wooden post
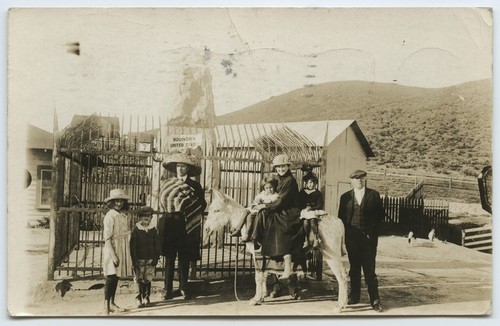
[{"x": 56, "y": 163}]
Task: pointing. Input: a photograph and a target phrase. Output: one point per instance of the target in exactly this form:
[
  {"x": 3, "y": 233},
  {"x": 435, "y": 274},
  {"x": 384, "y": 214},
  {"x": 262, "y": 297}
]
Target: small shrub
[{"x": 43, "y": 223}]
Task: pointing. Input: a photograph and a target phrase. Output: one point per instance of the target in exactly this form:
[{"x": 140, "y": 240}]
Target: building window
[{"x": 44, "y": 186}]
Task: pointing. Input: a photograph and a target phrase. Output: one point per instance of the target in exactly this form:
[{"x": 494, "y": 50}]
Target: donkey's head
[{"x": 222, "y": 211}]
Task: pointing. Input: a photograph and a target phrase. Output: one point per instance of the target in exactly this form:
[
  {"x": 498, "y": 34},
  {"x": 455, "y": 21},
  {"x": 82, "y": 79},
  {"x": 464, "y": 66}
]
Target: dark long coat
[{"x": 278, "y": 225}]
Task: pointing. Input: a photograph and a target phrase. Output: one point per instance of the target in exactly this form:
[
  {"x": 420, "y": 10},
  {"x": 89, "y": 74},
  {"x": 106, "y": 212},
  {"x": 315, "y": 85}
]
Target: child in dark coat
[
  {"x": 145, "y": 252},
  {"x": 311, "y": 205}
]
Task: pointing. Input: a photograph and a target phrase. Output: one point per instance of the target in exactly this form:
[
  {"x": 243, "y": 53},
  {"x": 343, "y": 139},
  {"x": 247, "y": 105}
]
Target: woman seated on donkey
[{"x": 278, "y": 230}]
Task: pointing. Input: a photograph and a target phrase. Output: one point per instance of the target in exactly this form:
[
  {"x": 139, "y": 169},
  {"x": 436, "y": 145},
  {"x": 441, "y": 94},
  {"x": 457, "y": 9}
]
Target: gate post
[{"x": 55, "y": 199}]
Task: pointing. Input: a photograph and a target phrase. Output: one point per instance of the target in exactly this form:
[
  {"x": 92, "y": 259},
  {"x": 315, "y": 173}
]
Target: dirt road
[{"x": 426, "y": 279}]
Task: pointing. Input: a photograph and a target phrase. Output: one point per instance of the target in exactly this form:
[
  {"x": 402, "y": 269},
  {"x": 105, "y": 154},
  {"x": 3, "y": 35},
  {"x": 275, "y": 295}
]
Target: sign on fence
[{"x": 179, "y": 142}]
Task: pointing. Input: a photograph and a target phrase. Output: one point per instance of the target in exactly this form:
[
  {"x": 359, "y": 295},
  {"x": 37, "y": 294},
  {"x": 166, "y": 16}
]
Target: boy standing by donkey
[{"x": 145, "y": 252}]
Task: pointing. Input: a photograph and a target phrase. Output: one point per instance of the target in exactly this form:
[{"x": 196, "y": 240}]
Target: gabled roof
[
  {"x": 39, "y": 138},
  {"x": 316, "y": 132}
]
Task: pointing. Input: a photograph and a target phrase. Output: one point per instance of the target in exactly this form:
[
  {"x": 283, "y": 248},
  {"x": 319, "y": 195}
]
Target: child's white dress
[
  {"x": 116, "y": 228},
  {"x": 262, "y": 198}
]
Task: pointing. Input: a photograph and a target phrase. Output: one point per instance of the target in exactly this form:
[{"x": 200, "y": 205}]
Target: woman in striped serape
[{"x": 183, "y": 201}]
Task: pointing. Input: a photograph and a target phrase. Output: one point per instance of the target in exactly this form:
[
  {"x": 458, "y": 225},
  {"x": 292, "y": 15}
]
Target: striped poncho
[{"x": 178, "y": 196}]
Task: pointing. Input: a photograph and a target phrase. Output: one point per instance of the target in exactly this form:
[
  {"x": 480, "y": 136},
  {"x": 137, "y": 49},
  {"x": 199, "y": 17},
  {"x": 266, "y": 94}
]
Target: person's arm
[
  {"x": 200, "y": 193},
  {"x": 133, "y": 247},
  {"x": 109, "y": 224},
  {"x": 318, "y": 202},
  {"x": 157, "y": 247},
  {"x": 257, "y": 200},
  {"x": 342, "y": 208},
  {"x": 380, "y": 210},
  {"x": 377, "y": 213}
]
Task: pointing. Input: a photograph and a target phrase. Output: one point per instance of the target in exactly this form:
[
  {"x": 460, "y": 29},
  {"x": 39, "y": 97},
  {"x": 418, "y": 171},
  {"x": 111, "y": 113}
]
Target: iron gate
[{"x": 95, "y": 155}]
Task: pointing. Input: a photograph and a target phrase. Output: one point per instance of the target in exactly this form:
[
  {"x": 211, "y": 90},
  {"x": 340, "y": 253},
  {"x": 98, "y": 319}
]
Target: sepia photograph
[{"x": 242, "y": 162}]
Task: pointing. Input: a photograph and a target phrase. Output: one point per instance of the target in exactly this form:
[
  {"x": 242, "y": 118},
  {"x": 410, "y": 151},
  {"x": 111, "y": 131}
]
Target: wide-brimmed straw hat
[
  {"x": 281, "y": 159},
  {"x": 170, "y": 163},
  {"x": 117, "y": 194}
]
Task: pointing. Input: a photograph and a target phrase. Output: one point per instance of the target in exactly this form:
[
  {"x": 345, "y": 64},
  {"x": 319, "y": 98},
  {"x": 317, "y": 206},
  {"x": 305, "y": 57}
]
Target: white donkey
[{"x": 226, "y": 211}]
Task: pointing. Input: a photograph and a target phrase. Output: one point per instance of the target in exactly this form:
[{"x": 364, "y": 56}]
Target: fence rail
[
  {"x": 478, "y": 238},
  {"x": 416, "y": 178}
]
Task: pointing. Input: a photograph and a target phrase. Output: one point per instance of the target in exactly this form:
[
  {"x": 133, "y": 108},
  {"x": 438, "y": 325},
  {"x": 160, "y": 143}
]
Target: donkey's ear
[
  {"x": 217, "y": 193},
  {"x": 220, "y": 195}
]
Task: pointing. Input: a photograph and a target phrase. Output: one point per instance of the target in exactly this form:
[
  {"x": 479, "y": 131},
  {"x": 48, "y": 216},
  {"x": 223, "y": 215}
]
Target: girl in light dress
[{"x": 116, "y": 259}]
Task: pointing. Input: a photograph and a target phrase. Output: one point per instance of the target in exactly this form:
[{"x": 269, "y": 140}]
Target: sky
[
  {"x": 131, "y": 60},
  {"x": 122, "y": 72}
]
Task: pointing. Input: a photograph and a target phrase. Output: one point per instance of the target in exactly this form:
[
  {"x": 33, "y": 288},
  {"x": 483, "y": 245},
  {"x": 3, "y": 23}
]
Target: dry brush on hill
[{"x": 445, "y": 130}]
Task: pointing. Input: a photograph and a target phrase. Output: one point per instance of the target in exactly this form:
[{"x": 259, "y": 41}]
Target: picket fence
[{"x": 403, "y": 215}]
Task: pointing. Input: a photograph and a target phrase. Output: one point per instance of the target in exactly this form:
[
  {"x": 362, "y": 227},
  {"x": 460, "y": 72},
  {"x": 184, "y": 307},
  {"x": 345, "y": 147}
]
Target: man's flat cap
[{"x": 357, "y": 174}]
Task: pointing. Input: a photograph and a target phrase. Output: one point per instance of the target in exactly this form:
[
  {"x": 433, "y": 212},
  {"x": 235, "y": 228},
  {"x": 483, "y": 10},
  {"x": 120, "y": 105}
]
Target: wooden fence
[
  {"x": 398, "y": 185},
  {"x": 403, "y": 215},
  {"x": 479, "y": 238}
]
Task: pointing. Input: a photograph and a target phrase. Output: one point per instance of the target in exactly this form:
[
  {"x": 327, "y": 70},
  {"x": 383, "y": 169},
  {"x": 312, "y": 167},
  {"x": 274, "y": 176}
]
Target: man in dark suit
[
  {"x": 362, "y": 211},
  {"x": 183, "y": 202}
]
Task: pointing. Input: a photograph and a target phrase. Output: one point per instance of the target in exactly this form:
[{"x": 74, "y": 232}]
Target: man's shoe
[
  {"x": 185, "y": 295},
  {"x": 352, "y": 301},
  {"x": 376, "y": 306},
  {"x": 115, "y": 308},
  {"x": 168, "y": 296},
  {"x": 139, "y": 303}
]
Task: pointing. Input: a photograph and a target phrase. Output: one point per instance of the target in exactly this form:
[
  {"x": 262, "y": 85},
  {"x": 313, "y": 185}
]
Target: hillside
[{"x": 442, "y": 130}]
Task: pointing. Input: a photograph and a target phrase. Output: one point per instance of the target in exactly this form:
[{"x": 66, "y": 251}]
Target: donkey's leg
[
  {"x": 293, "y": 286},
  {"x": 259, "y": 275},
  {"x": 340, "y": 273},
  {"x": 260, "y": 288},
  {"x": 263, "y": 286}
]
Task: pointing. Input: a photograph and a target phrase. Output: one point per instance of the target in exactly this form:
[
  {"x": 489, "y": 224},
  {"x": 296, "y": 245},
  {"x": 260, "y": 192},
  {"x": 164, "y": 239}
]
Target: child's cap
[{"x": 146, "y": 211}]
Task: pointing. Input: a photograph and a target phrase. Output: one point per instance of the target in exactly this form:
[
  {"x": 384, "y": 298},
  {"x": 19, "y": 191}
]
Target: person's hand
[
  {"x": 308, "y": 208},
  {"x": 343, "y": 250},
  {"x": 116, "y": 261},
  {"x": 259, "y": 207}
]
